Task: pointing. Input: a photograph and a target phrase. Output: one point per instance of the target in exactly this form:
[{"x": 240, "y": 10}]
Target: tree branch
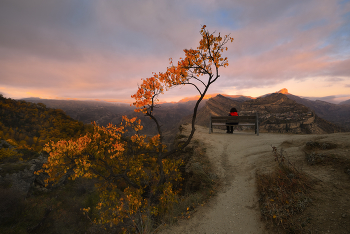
[{"x": 194, "y": 86}]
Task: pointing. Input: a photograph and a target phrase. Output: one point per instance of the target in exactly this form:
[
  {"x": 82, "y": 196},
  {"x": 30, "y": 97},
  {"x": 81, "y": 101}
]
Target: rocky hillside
[
  {"x": 277, "y": 113},
  {"x": 335, "y": 113}
]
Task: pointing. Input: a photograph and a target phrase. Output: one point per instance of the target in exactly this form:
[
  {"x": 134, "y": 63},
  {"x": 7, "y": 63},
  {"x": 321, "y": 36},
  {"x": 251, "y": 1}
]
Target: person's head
[{"x": 233, "y": 109}]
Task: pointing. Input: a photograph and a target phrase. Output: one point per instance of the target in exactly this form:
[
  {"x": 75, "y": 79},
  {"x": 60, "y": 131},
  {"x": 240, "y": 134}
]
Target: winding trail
[{"x": 236, "y": 158}]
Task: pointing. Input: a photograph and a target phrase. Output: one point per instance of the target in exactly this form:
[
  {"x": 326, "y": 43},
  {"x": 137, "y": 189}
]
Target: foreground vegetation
[
  {"x": 284, "y": 192},
  {"x": 60, "y": 210}
]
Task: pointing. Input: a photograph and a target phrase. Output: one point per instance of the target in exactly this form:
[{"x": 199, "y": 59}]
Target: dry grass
[
  {"x": 312, "y": 145},
  {"x": 283, "y": 193}
]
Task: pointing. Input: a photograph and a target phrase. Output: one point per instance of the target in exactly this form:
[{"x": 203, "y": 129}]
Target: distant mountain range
[
  {"x": 88, "y": 111},
  {"x": 347, "y": 102},
  {"x": 170, "y": 115}
]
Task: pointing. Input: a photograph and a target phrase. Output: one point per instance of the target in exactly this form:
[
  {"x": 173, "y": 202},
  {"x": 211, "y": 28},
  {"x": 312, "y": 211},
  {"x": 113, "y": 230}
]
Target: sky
[{"x": 101, "y": 49}]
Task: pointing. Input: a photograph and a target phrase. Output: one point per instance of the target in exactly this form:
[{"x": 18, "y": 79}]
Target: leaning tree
[{"x": 136, "y": 173}]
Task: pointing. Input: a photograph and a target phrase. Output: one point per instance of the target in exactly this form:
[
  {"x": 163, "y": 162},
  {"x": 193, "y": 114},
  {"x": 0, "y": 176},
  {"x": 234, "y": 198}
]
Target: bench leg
[{"x": 257, "y": 124}]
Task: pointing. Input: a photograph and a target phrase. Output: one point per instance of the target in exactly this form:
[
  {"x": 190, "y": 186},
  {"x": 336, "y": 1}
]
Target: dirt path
[{"x": 236, "y": 158}]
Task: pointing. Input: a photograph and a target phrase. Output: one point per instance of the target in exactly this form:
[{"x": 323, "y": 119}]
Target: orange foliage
[
  {"x": 197, "y": 62},
  {"x": 125, "y": 166}
]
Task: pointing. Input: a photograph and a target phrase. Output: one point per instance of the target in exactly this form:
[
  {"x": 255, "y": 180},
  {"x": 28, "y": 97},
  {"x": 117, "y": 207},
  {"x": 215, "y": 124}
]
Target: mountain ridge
[{"x": 104, "y": 112}]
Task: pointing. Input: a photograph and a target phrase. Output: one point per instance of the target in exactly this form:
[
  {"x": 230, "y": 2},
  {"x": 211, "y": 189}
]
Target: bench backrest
[{"x": 224, "y": 119}]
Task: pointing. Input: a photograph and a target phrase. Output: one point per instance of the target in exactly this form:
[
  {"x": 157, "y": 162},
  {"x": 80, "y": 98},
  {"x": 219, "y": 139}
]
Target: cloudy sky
[{"x": 100, "y": 49}]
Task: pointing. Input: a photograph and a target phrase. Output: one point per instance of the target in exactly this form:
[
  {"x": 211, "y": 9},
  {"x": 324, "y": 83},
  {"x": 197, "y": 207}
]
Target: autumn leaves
[{"x": 197, "y": 62}]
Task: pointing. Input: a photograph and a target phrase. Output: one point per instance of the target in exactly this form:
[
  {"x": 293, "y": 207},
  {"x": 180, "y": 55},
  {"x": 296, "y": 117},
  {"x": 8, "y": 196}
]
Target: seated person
[{"x": 233, "y": 112}]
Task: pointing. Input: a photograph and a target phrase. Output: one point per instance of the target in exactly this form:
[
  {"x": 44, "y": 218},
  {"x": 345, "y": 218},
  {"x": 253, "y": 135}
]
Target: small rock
[
  {"x": 343, "y": 215},
  {"x": 45, "y": 190}
]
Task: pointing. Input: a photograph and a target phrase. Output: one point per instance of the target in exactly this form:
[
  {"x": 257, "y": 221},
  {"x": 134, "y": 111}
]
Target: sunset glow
[{"x": 100, "y": 50}]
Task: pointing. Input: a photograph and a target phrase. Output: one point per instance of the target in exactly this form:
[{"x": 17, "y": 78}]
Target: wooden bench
[{"x": 242, "y": 121}]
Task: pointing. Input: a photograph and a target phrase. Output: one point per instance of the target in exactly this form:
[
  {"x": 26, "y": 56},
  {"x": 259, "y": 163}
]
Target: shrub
[
  {"x": 282, "y": 193},
  {"x": 322, "y": 146}
]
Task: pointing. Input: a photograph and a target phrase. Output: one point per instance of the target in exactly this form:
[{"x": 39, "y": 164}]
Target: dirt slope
[{"x": 236, "y": 157}]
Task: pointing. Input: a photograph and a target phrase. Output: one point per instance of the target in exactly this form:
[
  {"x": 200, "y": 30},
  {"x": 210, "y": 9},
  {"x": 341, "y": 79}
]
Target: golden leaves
[{"x": 105, "y": 153}]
